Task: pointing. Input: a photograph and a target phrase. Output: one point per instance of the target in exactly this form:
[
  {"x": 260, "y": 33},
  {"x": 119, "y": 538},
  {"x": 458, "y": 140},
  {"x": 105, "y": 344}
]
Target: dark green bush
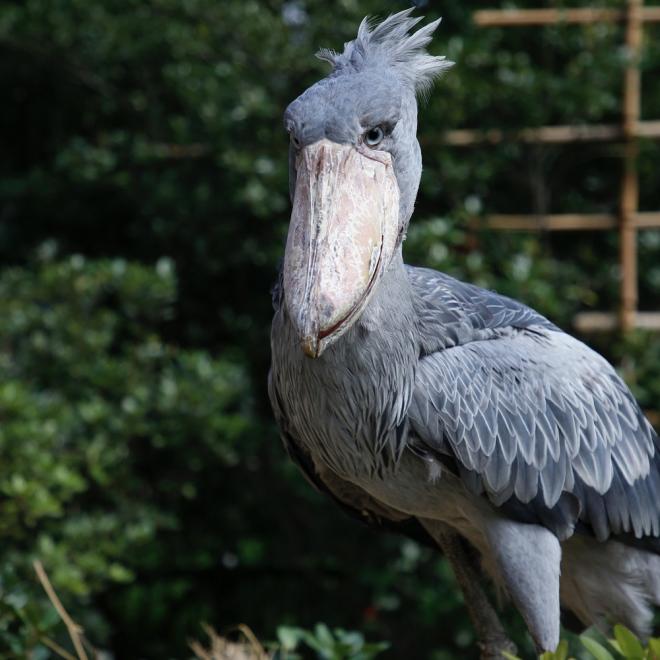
[
  {"x": 109, "y": 434},
  {"x": 138, "y": 456}
]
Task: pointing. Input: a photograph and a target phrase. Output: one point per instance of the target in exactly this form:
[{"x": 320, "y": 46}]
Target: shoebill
[{"x": 418, "y": 401}]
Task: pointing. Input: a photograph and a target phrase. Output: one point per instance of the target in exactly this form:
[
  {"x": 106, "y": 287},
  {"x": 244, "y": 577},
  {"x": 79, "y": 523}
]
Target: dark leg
[{"x": 492, "y": 637}]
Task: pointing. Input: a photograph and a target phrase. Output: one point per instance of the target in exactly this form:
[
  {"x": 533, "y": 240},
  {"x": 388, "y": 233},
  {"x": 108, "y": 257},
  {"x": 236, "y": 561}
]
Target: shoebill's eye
[{"x": 374, "y": 136}]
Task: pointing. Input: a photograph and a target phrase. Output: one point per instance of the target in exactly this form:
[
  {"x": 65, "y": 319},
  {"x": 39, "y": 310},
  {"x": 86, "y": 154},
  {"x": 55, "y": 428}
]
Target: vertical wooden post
[{"x": 630, "y": 183}]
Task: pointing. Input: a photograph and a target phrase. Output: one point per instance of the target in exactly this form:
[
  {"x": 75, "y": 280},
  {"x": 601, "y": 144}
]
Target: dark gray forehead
[{"x": 341, "y": 107}]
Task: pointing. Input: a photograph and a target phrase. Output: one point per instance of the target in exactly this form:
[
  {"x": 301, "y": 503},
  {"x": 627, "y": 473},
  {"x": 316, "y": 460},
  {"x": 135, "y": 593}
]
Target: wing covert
[
  {"x": 536, "y": 419},
  {"x": 452, "y": 312}
]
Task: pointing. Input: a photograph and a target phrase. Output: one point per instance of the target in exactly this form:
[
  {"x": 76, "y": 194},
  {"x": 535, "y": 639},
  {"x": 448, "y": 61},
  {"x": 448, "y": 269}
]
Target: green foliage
[
  {"x": 561, "y": 653},
  {"x": 598, "y": 651},
  {"x": 639, "y": 352},
  {"x": 625, "y": 645},
  {"x": 337, "y": 644},
  {"x": 91, "y": 397},
  {"x": 139, "y": 457}
]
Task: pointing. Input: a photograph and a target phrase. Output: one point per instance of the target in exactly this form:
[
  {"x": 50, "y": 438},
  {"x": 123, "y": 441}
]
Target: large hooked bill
[{"x": 343, "y": 232}]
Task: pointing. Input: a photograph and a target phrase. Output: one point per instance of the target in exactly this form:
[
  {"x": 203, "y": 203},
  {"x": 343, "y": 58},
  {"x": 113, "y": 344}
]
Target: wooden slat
[
  {"x": 595, "y": 322},
  {"x": 650, "y": 14},
  {"x": 629, "y": 220},
  {"x": 179, "y": 151},
  {"x": 510, "y": 17},
  {"x": 551, "y": 134},
  {"x": 648, "y": 129},
  {"x": 556, "y": 222},
  {"x": 581, "y": 15},
  {"x": 607, "y": 321},
  {"x": 545, "y": 134},
  {"x": 630, "y": 180},
  {"x": 568, "y": 221},
  {"x": 647, "y": 220}
]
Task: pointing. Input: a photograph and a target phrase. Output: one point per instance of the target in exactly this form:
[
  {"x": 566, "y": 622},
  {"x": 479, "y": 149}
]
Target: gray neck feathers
[
  {"x": 348, "y": 406},
  {"x": 361, "y": 386}
]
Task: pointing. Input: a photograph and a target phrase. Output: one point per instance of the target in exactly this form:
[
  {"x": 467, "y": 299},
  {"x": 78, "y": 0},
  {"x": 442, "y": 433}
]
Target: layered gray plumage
[
  {"x": 530, "y": 413},
  {"x": 448, "y": 405}
]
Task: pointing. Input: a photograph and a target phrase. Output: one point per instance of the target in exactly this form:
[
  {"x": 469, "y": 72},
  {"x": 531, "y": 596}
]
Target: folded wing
[{"x": 532, "y": 417}]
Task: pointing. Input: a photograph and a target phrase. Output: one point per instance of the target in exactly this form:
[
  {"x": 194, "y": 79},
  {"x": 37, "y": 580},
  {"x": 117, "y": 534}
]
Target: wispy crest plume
[{"x": 392, "y": 44}]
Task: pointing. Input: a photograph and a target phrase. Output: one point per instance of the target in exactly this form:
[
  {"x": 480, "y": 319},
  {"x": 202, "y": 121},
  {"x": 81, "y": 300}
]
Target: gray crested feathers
[{"x": 392, "y": 44}]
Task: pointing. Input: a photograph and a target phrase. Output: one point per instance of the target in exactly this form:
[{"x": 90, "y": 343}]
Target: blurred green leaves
[
  {"x": 143, "y": 209},
  {"x": 625, "y": 645},
  {"x": 337, "y": 644},
  {"x": 91, "y": 398}
]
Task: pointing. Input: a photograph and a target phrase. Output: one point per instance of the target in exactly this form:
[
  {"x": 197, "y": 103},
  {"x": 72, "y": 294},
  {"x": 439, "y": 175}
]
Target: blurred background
[{"x": 143, "y": 209}]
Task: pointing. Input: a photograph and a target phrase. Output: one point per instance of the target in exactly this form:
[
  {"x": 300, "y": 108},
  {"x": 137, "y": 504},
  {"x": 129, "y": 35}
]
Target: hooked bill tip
[{"x": 310, "y": 346}]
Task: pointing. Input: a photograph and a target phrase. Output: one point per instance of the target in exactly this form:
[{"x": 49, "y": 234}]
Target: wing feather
[{"x": 532, "y": 415}]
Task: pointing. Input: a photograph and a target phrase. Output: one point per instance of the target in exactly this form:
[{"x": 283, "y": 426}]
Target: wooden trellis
[{"x": 629, "y": 219}]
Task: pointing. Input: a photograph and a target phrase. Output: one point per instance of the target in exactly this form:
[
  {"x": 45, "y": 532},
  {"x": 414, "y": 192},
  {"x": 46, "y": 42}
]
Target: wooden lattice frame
[{"x": 629, "y": 220}]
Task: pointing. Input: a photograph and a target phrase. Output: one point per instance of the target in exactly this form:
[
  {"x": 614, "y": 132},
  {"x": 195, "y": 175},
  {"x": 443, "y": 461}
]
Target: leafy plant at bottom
[
  {"x": 337, "y": 644},
  {"x": 624, "y": 645}
]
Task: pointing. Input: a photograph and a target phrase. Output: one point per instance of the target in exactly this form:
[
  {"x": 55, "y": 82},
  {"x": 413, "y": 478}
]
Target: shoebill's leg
[
  {"x": 528, "y": 560},
  {"x": 492, "y": 637}
]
